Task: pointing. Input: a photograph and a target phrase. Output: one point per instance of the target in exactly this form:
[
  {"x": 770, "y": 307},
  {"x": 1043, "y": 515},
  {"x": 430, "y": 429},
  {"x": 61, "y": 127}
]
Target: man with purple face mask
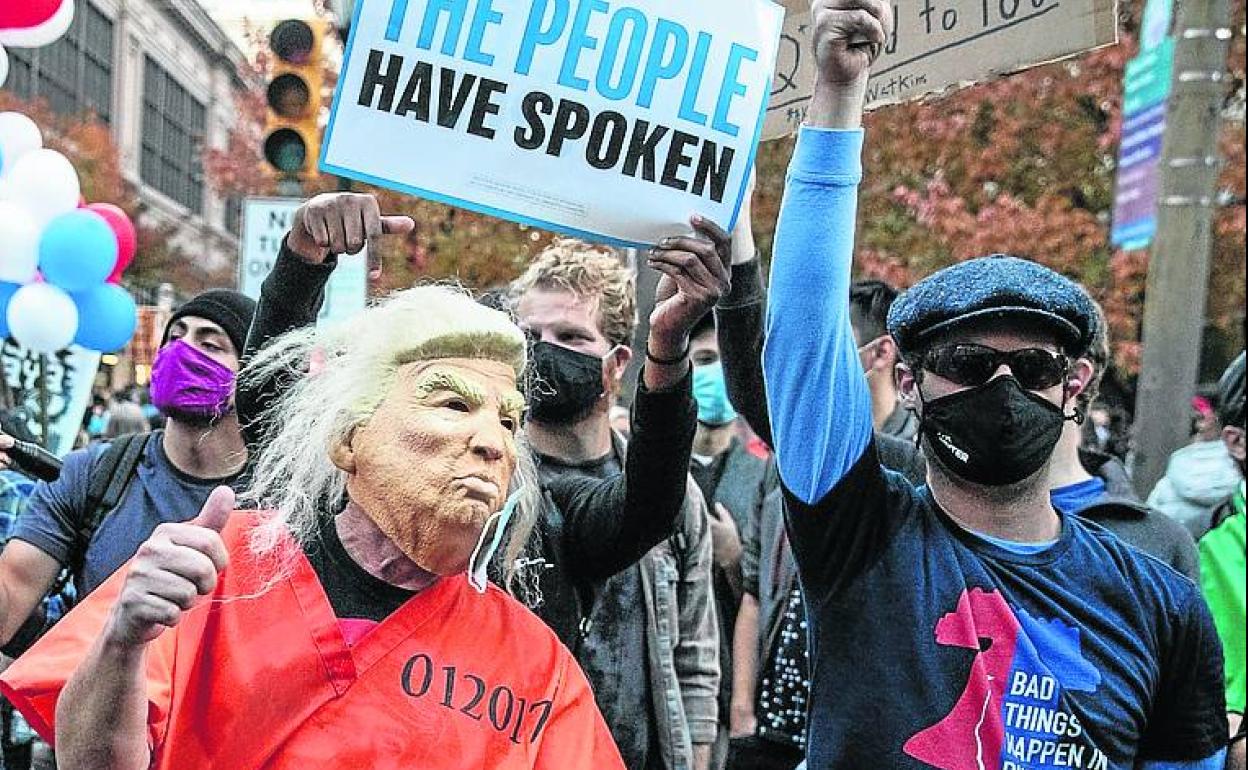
[{"x": 110, "y": 496}]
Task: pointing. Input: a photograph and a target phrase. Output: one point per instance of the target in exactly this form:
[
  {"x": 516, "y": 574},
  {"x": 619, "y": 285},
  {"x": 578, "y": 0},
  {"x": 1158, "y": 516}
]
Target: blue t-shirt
[
  {"x": 157, "y": 493},
  {"x": 931, "y": 646},
  {"x": 1073, "y": 498}
]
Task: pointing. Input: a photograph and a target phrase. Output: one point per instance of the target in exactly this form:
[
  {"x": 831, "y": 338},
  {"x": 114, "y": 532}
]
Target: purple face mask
[{"x": 186, "y": 382}]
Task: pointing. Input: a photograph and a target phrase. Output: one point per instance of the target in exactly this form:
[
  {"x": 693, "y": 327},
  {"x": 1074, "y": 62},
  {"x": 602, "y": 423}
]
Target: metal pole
[
  {"x": 1178, "y": 272},
  {"x": 43, "y": 400}
]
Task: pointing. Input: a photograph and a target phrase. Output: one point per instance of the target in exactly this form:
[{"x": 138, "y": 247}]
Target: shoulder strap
[{"x": 107, "y": 484}]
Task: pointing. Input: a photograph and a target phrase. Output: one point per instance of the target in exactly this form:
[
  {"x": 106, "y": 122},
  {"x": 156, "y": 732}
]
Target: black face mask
[
  {"x": 565, "y": 385},
  {"x": 995, "y": 434}
]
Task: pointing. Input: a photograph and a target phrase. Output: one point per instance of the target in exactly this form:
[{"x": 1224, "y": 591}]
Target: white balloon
[
  {"x": 44, "y": 183},
  {"x": 19, "y": 244},
  {"x": 40, "y": 34},
  {"x": 4, "y": 66},
  {"x": 18, "y": 136},
  {"x": 42, "y": 318}
]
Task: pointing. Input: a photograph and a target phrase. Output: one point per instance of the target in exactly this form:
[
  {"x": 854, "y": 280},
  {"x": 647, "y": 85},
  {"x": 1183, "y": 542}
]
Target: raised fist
[
  {"x": 340, "y": 223},
  {"x": 848, "y": 36}
]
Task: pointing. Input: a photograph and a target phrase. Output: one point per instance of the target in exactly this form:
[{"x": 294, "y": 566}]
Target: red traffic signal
[
  {"x": 292, "y": 136},
  {"x": 293, "y": 41}
]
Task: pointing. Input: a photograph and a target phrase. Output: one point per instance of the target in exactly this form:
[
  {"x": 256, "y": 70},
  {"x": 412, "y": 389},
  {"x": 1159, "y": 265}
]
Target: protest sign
[
  {"x": 935, "y": 45},
  {"x": 265, "y": 222},
  {"x": 61, "y": 384},
  {"x": 616, "y": 122}
]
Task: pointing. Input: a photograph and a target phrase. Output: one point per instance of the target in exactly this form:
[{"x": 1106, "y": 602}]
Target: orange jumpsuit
[{"x": 452, "y": 680}]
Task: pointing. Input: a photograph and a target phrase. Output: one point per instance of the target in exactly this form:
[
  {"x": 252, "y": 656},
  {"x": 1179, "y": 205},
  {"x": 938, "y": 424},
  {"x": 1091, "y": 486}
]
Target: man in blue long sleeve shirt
[{"x": 966, "y": 624}]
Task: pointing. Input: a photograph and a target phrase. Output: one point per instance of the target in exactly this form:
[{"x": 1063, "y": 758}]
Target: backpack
[
  {"x": 108, "y": 481},
  {"x": 109, "y": 478}
]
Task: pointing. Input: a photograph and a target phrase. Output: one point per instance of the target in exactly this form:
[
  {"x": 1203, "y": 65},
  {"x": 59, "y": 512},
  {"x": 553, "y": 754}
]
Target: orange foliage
[{"x": 1024, "y": 165}]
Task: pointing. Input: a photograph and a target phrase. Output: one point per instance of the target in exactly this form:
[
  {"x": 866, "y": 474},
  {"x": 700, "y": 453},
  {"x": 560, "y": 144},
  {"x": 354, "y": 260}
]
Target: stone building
[{"x": 162, "y": 75}]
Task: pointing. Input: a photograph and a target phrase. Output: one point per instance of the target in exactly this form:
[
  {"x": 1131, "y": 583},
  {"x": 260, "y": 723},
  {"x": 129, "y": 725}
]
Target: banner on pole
[
  {"x": 1146, "y": 97},
  {"x": 609, "y": 120},
  {"x": 936, "y": 45},
  {"x": 265, "y": 222},
  {"x": 68, "y": 377}
]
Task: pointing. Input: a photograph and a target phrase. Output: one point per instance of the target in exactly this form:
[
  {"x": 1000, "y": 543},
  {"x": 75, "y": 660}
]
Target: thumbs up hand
[{"x": 177, "y": 565}]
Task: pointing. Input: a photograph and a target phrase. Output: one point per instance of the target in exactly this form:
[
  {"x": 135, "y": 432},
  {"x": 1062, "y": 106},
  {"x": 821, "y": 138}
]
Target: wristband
[{"x": 667, "y": 361}]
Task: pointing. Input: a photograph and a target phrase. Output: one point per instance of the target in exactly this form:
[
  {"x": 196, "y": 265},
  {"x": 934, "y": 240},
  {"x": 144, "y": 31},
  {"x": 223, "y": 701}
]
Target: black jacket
[
  {"x": 1121, "y": 512},
  {"x": 591, "y": 529}
]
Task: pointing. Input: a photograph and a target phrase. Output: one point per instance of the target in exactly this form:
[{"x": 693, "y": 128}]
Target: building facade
[{"x": 162, "y": 75}]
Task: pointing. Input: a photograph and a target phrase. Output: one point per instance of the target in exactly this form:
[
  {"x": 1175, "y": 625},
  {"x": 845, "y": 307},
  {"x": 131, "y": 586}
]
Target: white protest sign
[
  {"x": 67, "y": 376},
  {"x": 609, "y": 120},
  {"x": 265, "y": 222},
  {"x": 935, "y": 45}
]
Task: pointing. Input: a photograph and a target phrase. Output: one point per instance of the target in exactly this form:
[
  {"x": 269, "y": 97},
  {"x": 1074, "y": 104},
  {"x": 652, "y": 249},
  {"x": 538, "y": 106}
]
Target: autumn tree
[{"x": 1026, "y": 165}]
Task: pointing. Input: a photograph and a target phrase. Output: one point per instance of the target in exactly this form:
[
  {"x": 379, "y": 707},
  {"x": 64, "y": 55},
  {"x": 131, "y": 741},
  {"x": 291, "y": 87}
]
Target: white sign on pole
[
  {"x": 936, "y": 45},
  {"x": 265, "y": 222},
  {"x": 68, "y": 377},
  {"x": 610, "y": 120}
]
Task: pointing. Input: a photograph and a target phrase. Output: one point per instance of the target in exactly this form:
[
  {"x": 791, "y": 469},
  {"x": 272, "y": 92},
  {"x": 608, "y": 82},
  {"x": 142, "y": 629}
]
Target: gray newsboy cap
[{"x": 994, "y": 287}]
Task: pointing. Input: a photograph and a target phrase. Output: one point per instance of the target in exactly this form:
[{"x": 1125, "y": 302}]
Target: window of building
[
  {"x": 74, "y": 74},
  {"x": 173, "y": 131}
]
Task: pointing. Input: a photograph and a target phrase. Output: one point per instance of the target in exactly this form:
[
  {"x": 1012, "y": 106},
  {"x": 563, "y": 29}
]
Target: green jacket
[{"x": 1222, "y": 579}]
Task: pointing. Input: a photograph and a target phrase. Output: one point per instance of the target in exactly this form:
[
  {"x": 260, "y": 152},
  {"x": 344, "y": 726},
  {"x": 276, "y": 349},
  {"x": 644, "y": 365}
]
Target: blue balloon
[
  {"x": 7, "y": 290},
  {"x": 106, "y": 318},
  {"x": 77, "y": 250}
]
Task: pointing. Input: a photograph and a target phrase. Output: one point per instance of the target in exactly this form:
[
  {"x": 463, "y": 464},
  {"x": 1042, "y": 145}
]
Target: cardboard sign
[
  {"x": 936, "y": 45},
  {"x": 608, "y": 120},
  {"x": 265, "y": 222}
]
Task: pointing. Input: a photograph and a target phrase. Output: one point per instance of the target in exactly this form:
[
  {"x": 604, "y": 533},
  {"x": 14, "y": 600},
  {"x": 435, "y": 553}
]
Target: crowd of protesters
[{"x": 839, "y": 525}]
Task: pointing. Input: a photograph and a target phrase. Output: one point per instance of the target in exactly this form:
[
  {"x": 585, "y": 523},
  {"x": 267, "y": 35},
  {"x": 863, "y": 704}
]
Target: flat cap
[{"x": 996, "y": 287}]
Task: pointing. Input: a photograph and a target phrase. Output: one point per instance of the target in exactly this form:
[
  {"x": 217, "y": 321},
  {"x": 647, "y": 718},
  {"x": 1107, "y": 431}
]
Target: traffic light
[{"x": 292, "y": 134}]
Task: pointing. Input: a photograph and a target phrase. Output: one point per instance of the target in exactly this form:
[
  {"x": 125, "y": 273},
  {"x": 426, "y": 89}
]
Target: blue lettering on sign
[
  {"x": 631, "y": 60},
  {"x": 580, "y": 41},
  {"x": 538, "y": 32},
  {"x": 484, "y": 15},
  {"x": 429, "y": 25},
  {"x": 659, "y": 66},
  {"x": 688, "y": 103},
  {"x": 731, "y": 87}
]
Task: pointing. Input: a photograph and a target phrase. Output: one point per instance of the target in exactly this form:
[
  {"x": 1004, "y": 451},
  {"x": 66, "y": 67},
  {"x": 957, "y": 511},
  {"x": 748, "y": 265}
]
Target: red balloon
[
  {"x": 30, "y": 13},
  {"x": 127, "y": 239}
]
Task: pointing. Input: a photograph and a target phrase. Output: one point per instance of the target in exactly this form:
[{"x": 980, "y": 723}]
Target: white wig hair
[{"x": 331, "y": 379}]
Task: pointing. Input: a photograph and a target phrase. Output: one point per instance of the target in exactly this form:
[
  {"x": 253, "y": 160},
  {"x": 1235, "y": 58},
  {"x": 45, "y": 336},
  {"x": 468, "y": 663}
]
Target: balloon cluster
[
  {"x": 60, "y": 259},
  {"x": 31, "y": 24}
]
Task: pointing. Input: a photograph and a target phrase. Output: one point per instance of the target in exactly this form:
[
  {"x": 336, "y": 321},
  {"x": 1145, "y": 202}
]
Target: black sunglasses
[{"x": 972, "y": 365}]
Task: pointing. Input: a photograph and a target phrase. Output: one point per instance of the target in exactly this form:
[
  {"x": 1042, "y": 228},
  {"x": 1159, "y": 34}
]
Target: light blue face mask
[
  {"x": 479, "y": 564},
  {"x": 711, "y": 393}
]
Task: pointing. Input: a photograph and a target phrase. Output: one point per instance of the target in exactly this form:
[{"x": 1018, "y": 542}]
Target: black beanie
[{"x": 231, "y": 310}]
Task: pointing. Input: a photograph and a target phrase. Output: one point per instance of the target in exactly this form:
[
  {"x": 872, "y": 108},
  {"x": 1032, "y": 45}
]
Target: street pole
[{"x": 1178, "y": 271}]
